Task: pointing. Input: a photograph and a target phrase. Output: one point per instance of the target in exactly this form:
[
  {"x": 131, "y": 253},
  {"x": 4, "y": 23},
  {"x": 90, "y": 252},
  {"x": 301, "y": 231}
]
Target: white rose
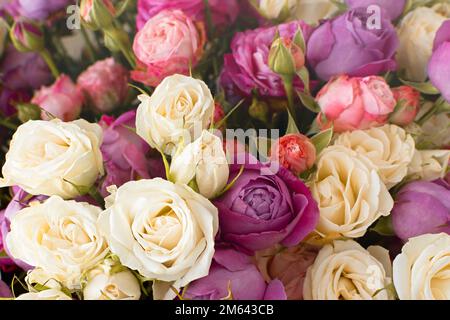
[
  {"x": 165, "y": 231},
  {"x": 312, "y": 11},
  {"x": 416, "y": 32},
  {"x": 179, "y": 109},
  {"x": 52, "y": 157},
  {"x": 429, "y": 164},
  {"x": 349, "y": 192},
  {"x": 345, "y": 270},
  {"x": 50, "y": 294},
  {"x": 421, "y": 271},
  {"x": 389, "y": 148},
  {"x": 60, "y": 237},
  {"x": 110, "y": 281},
  {"x": 204, "y": 160},
  {"x": 275, "y": 9}
]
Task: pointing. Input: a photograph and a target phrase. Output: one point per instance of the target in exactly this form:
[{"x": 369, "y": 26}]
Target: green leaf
[
  {"x": 422, "y": 87},
  {"x": 138, "y": 89},
  {"x": 384, "y": 226},
  {"x": 304, "y": 76},
  {"x": 309, "y": 102},
  {"x": 299, "y": 40},
  {"x": 322, "y": 140}
]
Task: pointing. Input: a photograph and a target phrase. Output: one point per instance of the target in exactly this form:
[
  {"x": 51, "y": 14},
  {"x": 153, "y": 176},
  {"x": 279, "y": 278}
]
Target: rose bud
[
  {"x": 105, "y": 85},
  {"x": 97, "y": 14},
  {"x": 295, "y": 152},
  {"x": 422, "y": 207},
  {"x": 355, "y": 103},
  {"x": 27, "y": 36},
  {"x": 62, "y": 100},
  {"x": 205, "y": 161},
  {"x": 286, "y": 57},
  {"x": 408, "y": 103},
  {"x": 111, "y": 281}
]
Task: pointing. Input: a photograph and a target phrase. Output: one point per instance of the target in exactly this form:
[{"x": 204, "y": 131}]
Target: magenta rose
[
  {"x": 345, "y": 45},
  {"x": 19, "y": 201},
  {"x": 355, "y": 103},
  {"x": 223, "y": 12},
  {"x": 439, "y": 66},
  {"x": 35, "y": 9},
  {"x": 391, "y": 8},
  {"x": 5, "y": 292},
  {"x": 246, "y": 67},
  {"x": 169, "y": 43},
  {"x": 422, "y": 207},
  {"x": 62, "y": 100},
  {"x": 234, "y": 271},
  {"x": 260, "y": 211},
  {"x": 104, "y": 84},
  {"x": 125, "y": 153}
]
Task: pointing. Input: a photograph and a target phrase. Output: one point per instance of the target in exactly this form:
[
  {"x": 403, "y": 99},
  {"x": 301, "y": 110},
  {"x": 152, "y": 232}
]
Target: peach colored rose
[
  {"x": 408, "y": 104},
  {"x": 169, "y": 43},
  {"x": 62, "y": 100},
  {"x": 289, "y": 265},
  {"x": 351, "y": 103}
]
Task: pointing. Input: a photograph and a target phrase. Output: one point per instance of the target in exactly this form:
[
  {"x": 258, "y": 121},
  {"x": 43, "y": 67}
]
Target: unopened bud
[
  {"x": 27, "y": 36},
  {"x": 97, "y": 14},
  {"x": 285, "y": 57}
]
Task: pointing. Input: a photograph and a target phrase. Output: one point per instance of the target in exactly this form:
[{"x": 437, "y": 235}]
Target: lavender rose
[
  {"x": 422, "y": 207},
  {"x": 234, "y": 271},
  {"x": 439, "y": 66},
  {"x": 125, "y": 153},
  {"x": 260, "y": 211},
  {"x": 391, "y": 8},
  {"x": 345, "y": 45},
  {"x": 246, "y": 68},
  {"x": 35, "y": 9}
]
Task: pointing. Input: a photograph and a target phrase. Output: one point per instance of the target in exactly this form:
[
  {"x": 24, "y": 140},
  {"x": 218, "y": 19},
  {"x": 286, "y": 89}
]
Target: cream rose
[
  {"x": 349, "y": 192},
  {"x": 312, "y": 11},
  {"x": 50, "y": 294},
  {"x": 52, "y": 157},
  {"x": 429, "y": 164},
  {"x": 389, "y": 148},
  {"x": 60, "y": 237},
  {"x": 275, "y": 9},
  {"x": 111, "y": 281},
  {"x": 204, "y": 160},
  {"x": 345, "y": 270},
  {"x": 416, "y": 32},
  {"x": 177, "y": 112},
  {"x": 165, "y": 231},
  {"x": 422, "y": 269}
]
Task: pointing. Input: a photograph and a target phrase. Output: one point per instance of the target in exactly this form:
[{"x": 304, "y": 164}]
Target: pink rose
[
  {"x": 62, "y": 100},
  {"x": 355, "y": 103},
  {"x": 223, "y": 12},
  {"x": 408, "y": 103},
  {"x": 104, "y": 84},
  {"x": 169, "y": 43},
  {"x": 289, "y": 265}
]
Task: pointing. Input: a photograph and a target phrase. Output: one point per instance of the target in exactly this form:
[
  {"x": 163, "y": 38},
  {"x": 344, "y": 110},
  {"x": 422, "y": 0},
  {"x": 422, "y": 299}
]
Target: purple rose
[
  {"x": 392, "y": 8},
  {"x": 34, "y": 9},
  {"x": 223, "y": 12},
  {"x": 422, "y": 207},
  {"x": 124, "y": 152},
  {"x": 23, "y": 70},
  {"x": 260, "y": 211},
  {"x": 5, "y": 292},
  {"x": 345, "y": 45},
  {"x": 246, "y": 68},
  {"x": 19, "y": 201},
  {"x": 439, "y": 66},
  {"x": 233, "y": 270}
]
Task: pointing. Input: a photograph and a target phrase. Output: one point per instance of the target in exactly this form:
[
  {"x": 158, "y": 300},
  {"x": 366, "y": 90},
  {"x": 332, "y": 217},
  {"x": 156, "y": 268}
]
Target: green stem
[
  {"x": 95, "y": 194},
  {"x": 90, "y": 47},
  {"x": 5, "y": 123},
  {"x": 289, "y": 88},
  {"x": 51, "y": 64}
]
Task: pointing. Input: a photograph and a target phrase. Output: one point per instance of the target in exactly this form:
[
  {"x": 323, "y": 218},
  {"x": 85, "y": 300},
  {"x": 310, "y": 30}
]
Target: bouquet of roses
[{"x": 224, "y": 149}]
